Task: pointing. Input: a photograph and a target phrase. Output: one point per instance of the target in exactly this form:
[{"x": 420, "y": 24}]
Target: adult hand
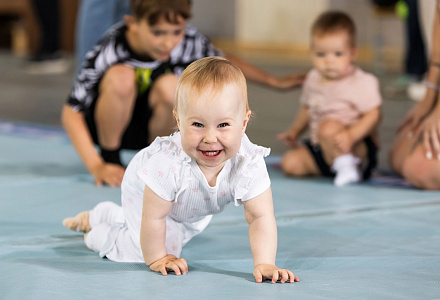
[
  {"x": 263, "y": 271},
  {"x": 415, "y": 116},
  {"x": 170, "y": 263},
  {"x": 430, "y": 131},
  {"x": 288, "y": 82},
  {"x": 107, "y": 173}
]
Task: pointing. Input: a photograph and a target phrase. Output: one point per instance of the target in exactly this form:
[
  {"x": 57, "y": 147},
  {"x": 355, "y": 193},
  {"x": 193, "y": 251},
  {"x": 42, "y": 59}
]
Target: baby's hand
[
  {"x": 262, "y": 272},
  {"x": 170, "y": 263}
]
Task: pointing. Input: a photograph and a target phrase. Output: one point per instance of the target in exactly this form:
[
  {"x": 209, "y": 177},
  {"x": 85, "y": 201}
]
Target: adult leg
[
  {"x": 48, "y": 15},
  {"x": 94, "y": 18},
  {"x": 161, "y": 100},
  {"x": 299, "y": 162},
  {"x": 114, "y": 107},
  {"x": 401, "y": 148},
  {"x": 421, "y": 172}
]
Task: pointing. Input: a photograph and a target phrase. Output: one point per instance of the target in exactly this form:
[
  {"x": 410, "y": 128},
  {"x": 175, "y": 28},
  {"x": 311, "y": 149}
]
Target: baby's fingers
[
  {"x": 292, "y": 276},
  {"x": 181, "y": 263},
  {"x": 258, "y": 276},
  {"x": 275, "y": 276}
]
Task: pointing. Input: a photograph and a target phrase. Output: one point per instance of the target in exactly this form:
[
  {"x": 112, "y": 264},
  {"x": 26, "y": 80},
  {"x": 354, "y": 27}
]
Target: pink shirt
[{"x": 345, "y": 100}]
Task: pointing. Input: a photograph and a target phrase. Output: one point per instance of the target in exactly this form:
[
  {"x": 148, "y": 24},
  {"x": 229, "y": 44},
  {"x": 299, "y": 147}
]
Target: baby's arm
[
  {"x": 153, "y": 233},
  {"x": 348, "y": 138},
  {"x": 298, "y": 127},
  {"x": 263, "y": 239}
]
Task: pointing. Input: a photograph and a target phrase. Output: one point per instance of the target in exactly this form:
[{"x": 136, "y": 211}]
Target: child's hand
[
  {"x": 262, "y": 272},
  {"x": 170, "y": 263},
  {"x": 289, "y": 137}
]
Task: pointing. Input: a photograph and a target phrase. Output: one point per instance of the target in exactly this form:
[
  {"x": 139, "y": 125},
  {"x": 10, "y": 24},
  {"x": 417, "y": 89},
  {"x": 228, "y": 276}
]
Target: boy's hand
[
  {"x": 107, "y": 173},
  {"x": 170, "y": 263},
  {"x": 262, "y": 272}
]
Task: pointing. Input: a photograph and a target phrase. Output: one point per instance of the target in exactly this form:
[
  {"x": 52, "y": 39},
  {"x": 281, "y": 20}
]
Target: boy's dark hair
[
  {"x": 334, "y": 21},
  {"x": 153, "y": 10}
]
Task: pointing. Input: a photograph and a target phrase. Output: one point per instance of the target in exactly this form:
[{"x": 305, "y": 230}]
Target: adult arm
[
  {"x": 429, "y": 107},
  {"x": 78, "y": 132},
  {"x": 153, "y": 235},
  {"x": 257, "y": 75},
  {"x": 263, "y": 239},
  {"x": 430, "y": 126}
]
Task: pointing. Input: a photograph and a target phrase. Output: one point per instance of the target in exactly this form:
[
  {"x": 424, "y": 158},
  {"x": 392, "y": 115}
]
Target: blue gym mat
[{"x": 375, "y": 240}]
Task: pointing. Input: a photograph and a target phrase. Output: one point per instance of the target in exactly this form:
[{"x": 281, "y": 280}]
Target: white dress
[{"x": 173, "y": 176}]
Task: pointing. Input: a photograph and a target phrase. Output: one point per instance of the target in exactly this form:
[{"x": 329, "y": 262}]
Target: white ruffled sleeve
[
  {"x": 253, "y": 178},
  {"x": 164, "y": 166}
]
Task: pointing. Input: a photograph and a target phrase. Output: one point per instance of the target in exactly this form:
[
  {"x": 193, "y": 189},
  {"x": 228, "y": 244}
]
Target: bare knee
[
  {"x": 119, "y": 81},
  {"x": 293, "y": 164},
  {"x": 164, "y": 90},
  {"x": 327, "y": 129},
  {"x": 421, "y": 172}
]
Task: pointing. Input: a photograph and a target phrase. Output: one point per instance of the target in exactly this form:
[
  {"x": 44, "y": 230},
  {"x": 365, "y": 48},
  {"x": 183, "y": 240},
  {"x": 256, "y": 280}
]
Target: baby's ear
[
  {"x": 246, "y": 121},
  {"x": 176, "y": 116}
]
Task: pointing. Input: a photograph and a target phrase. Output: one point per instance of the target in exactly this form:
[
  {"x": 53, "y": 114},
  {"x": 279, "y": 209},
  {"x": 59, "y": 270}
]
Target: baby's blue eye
[
  {"x": 339, "y": 53},
  {"x": 320, "y": 54},
  {"x": 223, "y": 125},
  {"x": 197, "y": 124}
]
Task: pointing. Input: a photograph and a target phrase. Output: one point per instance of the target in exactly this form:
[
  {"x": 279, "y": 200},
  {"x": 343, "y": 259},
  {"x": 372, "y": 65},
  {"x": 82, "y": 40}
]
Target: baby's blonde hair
[{"x": 209, "y": 74}]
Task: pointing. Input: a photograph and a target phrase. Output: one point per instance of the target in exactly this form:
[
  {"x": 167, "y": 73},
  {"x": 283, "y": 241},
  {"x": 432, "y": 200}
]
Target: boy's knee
[
  {"x": 164, "y": 90},
  {"x": 421, "y": 172},
  {"x": 119, "y": 80}
]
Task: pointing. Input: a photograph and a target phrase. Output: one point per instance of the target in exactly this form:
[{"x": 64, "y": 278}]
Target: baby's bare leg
[
  {"x": 327, "y": 131},
  {"x": 299, "y": 162}
]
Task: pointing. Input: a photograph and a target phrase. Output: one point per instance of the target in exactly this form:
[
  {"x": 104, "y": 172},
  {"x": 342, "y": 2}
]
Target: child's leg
[
  {"x": 345, "y": 164},
  {"x": 79, "y": 223},
  {"x": 114, "y": 109},
  {"x": 105, "y": 212},
  {"x": 299, "y": 162},
  {"x": 161, "y": 101}
]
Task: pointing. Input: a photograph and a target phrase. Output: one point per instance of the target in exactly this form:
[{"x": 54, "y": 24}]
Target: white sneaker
[{"x": 346, "y": 168}]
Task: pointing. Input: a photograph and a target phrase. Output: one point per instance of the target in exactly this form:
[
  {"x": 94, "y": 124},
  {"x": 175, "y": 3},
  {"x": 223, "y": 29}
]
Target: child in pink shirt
[{"x": 340, "y": 104}]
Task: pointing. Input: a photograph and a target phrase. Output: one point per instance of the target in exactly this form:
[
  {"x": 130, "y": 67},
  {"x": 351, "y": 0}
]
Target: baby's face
[
  {"x": 333, "y": 55},
  {"x": 211, "y": 127}
]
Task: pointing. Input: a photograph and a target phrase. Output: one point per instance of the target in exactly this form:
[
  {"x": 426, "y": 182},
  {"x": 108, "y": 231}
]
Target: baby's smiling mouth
[{"x": 211, "y": 153}]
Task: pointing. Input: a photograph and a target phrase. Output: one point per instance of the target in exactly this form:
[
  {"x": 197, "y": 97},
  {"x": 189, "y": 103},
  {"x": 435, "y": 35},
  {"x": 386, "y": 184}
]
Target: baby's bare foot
[{"x": 80, "y": 223}]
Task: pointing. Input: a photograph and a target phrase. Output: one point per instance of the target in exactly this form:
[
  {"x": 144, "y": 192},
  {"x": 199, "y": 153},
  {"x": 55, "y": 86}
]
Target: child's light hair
[
  {"x": 153, "y": 10},
  {"x": 209, "y": 74},
  {"x": 334, "y": 21}
]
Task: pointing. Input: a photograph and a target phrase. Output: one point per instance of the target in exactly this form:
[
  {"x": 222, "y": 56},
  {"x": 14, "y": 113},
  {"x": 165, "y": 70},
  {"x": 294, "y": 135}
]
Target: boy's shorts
[
  {"x": 326, "y": 170},
  {"x": 136, "y": 136}
]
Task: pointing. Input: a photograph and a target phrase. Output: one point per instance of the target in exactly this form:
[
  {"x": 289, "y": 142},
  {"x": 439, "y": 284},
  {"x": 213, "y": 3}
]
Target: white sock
[{"x": 346, "y": 168}]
